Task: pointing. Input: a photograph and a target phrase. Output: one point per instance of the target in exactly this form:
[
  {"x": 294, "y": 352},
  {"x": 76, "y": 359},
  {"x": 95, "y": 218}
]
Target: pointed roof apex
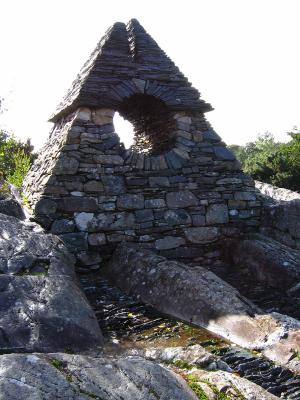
[{"x": 125, "y": 55}]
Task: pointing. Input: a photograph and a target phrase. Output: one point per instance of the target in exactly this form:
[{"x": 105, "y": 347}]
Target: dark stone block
[
  {"x": 159, "y": 181},
  {"x": 107, "y": 144},
  {"x": 113, "y": 184},
  {"x": 198, "y": 220},
  {"x": 144, "y": 215},
  {"x": 177, "y": 217},
  {"x": 75, "y": 242},
  {"x": 130, "y": 201},
  {"x": 211, "y": 135},
  {"x": 173, "y": 160},
  {"x": 77, "y": 204},
  {"x": 223, "y": 153},
  {"x": 159, "y": 214},
  {"x": 63, "y": 226},
  {"x": 45, "y": 207},
  {"x": 134, "y": 181},
  {"x": 185, "y": 141},
  {"x": 108, "y": 128},
  {"x": 146, "y": 225},
  {"x": 181, "y": 199},
  {"x": 177, "y": 179}
]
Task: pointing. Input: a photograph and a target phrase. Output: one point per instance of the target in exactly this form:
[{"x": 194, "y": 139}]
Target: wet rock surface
[
  {"x": 277, "y": 380},
  {"x": 198, "y": 296},
  {"x": 134, "y": 328},
  {"x": 194, "y": 295}
]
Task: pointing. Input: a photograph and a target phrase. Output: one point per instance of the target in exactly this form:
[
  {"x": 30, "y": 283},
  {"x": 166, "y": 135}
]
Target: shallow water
[{"x": 128, "y": 324}]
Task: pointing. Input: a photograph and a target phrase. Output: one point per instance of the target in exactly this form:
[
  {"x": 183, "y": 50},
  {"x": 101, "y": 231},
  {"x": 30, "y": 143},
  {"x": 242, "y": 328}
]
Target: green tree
[
  {"x": 286, "y": 163},
  {"x": 272, "y": 162}
]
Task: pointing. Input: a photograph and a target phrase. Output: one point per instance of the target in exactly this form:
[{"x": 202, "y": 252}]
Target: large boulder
[
  {"x": 268, "y": 261},
  {"x": 39, "y": 313},
  {"x": 198, "y": 296},
  {"x": 74, "y": 377},
  {"x": 41, "y": 306}
]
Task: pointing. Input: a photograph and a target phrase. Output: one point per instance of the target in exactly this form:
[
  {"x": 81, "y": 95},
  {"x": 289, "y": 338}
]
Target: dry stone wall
[{"x": 87, "y": 188}]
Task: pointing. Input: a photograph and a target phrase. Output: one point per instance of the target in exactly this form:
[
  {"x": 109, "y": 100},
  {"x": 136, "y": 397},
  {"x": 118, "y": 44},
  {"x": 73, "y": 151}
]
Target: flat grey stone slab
[{"x": 73, "y": 377}]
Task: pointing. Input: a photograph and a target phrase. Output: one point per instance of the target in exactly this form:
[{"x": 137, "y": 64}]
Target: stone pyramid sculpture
[{"x": 177, "y": 190}]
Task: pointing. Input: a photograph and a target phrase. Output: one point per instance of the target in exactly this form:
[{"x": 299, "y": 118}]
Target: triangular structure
[
  {"x": 178, "y": 190},
  {"x": 124, "y": 53}
]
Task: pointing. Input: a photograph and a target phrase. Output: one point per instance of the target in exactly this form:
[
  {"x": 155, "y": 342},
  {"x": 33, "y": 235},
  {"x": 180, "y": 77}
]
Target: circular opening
[
  {"x": 153, "y": 123},
  {"x": 124, "y": 129}
]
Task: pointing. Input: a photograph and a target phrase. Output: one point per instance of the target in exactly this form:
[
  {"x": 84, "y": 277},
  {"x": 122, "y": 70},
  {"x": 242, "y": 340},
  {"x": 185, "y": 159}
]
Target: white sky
[{"x": 242, "y": 55}]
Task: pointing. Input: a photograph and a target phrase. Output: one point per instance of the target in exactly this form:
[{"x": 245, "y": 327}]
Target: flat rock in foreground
[
  {"x": 198, "y": 296},
  {"x": 73, "y": 377}
]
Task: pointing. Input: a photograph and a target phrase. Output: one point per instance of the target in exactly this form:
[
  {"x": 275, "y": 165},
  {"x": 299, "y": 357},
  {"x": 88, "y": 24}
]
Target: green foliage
[
  {"x": 183, "y": 364},
  {"x": 272, "y": 162},
  {"x": 15, "y": 158},
  {"x": 58, "y": 364},
  {"x": 193, "y": 383},
  {"x": 22, "y": 164},
  {"x": 199, "y": 392}
]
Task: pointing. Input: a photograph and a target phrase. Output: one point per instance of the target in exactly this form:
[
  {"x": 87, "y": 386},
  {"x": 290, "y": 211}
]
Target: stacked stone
[
  {"x": 127, "y": 61},
  {"x": 178, "y": 190},
  {"x": 182, "y": 203}
]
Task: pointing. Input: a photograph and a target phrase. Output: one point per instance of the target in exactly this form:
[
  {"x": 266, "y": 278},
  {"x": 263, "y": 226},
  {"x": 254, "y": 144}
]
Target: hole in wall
[
  {"x": 124, "y": 129},
  {"x": 152, "y": 121}
]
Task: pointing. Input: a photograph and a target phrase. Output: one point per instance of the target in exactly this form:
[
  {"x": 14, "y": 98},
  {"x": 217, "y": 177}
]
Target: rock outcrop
[
  {"x": 267, "y": 261},
  {"x": 74, "y": 377},
  {"x": 41, "y": 306},
  {"x": 276, "y": 194},
  {"x": 12, "y": 207},
  {"x": 232, "y": 386},
  {"x": 280, "y": 217},
  {"x": 194, "y": 355},
  {"x": 26, "y": 249}
]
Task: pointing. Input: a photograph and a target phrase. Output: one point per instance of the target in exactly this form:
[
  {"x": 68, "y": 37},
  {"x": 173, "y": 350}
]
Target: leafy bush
[
  {"x": 272, "y": 162},
  {"x": 22, "y": 164},
  {"x": 15, "y": 158}
]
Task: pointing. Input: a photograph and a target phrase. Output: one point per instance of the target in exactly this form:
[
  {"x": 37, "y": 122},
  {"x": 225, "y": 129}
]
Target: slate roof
[{"x": 127, "y": 61}]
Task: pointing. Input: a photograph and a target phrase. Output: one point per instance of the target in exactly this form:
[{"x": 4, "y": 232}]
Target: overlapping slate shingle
[{"x": 127, "y": 61}]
